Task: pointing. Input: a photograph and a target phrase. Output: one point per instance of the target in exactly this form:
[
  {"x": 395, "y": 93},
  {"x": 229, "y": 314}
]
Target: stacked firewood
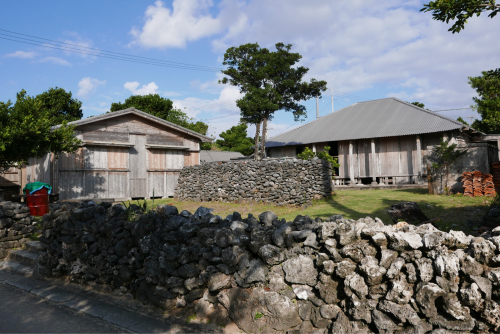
[
  {"x": 467, "y": 181},
  {"x": 488, "y": 185},
  {"x": 477, "y": 184}
]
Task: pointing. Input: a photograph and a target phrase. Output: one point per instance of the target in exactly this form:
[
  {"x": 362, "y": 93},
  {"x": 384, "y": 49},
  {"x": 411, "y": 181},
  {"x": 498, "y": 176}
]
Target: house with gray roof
[
  {"x": 219, "y": 156},
  {"x": 386, "y": 141}
]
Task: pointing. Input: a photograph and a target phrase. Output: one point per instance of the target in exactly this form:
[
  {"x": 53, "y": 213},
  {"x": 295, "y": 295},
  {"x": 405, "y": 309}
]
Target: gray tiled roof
[
  {"x": 138, "y": 112},
  {"x": 211, "y": 156},
  {"x": 387, "y": 117}
]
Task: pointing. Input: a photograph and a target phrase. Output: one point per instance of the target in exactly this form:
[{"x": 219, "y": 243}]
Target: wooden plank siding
[
  {"x": 118, "y": 158},
  {"x": 394, "y": 157},
  {"x": 102, "y": 171}
]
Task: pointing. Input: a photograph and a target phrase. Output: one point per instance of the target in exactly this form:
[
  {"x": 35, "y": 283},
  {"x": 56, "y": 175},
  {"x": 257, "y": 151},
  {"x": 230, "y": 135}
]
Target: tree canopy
[
  {"x": 271, "y": 81},
  {"x": 163, "y": 108},
  {"x": 460, "y": 11},
  {"x": 26, "y": 131},
  {"x": 235, "y": 139},
  {"x": 487, "y": 105},
  {"x": 60, "y": 105},
  {"x": 418, "y": 104}
]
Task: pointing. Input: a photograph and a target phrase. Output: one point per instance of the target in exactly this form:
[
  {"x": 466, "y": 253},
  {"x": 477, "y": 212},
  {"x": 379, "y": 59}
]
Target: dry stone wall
[
  {"x": 272, "y": 181},
  {"x": 16, "y": 225},
  {"x": 269, "y": 275}
]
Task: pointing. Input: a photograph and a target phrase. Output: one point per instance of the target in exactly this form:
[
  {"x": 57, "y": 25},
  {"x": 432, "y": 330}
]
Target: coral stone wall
[
  {"x": 273, "y": 181},
  {"x": 16, "y": 225},
  {"x": 273, "y": 276}
]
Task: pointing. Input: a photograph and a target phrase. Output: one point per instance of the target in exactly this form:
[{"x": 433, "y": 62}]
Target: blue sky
[{"x": 364, "y": 49}]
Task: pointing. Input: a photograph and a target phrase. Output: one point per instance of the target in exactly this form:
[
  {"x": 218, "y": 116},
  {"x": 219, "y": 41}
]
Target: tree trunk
[
  {"x": 256, "y": 150},
  {"x": 429, "y": 181},
  {"x": 263, "y": 140}
]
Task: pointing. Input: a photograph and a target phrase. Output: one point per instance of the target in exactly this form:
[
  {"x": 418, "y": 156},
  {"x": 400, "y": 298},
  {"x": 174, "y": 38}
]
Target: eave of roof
[
  {"x": 140, "y": 113},
  {"x": 387, "y": 117}
]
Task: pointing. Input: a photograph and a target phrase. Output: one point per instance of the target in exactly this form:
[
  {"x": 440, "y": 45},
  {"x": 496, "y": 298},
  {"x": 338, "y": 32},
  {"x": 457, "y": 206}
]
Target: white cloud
[
  {"x": 22, "y": 54},
  {"x": 220, "y": 113},
  {"x": 55, "y": 60},
  {"x": 150, "y": 88},
  {"x": 88, "y": 85},
  {"x": 188, "y": 20},
  {"x": 81, "y": 44},
  {"x": 377, "y": 45}
]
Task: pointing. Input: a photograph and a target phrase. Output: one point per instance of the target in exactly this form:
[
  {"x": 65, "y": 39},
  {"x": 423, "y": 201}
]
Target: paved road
[{"x": 24, "y": 313}]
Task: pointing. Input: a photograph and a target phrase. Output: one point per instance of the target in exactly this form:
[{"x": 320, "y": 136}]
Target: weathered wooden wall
[
  {"x": 123, "y": 157},
  {"x": 394, "y": 157}
]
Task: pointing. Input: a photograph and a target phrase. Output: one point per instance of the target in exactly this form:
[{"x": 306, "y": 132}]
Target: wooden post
[
  {"x": 429, "y": 181},
  {"x": 419, "y": 159},
  {"x": 498, "y": 144},
  {"x": 373, "y": 164},
  {"x": 351, "y": 163}
]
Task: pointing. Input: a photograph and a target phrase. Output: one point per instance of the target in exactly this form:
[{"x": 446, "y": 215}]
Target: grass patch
[
  {"x": 452, "y": 211},
  {"x": 191, "y": 318},
  {"x": 34, "y": 236}
]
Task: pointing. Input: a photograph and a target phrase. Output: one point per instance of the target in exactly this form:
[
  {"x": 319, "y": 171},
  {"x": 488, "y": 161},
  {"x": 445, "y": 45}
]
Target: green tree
[
  {"x": 442, "y": 157},
  {"x": 271, "y": 80},
  {"x": 308, "y": 154},
  {"x": 460, "y": 10},
  {"x": 487, "y": 105},
  {"x": 60, "y": 105},
  {"x": 460, "y": 119},
  {"x": 418, "y": 104},
  {"x": 27, "y": 132},
  {"x": 163, "y": 108},
  {"x": 235, "y": 139}
]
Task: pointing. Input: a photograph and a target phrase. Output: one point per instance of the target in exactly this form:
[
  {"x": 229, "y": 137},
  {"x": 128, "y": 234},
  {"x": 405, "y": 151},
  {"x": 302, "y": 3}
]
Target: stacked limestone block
[
  {"x": 272, "y": 276},
  {"x": 289, "y": 181},
  {"x": 16, "y": 225}
]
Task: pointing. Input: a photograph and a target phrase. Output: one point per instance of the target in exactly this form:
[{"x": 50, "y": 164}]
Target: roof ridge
[
  {"x": 428, "y": 111},
  {"x": 144, "y": 114}
]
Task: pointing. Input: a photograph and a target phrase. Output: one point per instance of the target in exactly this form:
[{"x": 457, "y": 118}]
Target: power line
[
  {"x": 75, "y": 48},
  {"x": 450, "y": 109}
]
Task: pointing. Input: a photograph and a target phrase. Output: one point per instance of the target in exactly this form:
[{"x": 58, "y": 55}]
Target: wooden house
[
  {"x": 386, "y": 141},
  {"x": 125, "y": 154}
]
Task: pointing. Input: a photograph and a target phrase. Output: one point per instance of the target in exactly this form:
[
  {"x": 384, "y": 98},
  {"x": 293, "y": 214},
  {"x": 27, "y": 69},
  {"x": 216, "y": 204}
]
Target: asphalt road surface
[{"x": 24, "y": 313}]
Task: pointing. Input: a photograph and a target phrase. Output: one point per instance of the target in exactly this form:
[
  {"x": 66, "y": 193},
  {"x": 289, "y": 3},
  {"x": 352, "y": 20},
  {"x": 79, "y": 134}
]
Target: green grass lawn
[{"x": 451, "y": 210}]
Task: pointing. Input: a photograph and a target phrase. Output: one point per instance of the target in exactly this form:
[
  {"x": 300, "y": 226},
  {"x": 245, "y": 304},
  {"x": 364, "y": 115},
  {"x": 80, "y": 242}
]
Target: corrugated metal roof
[
  {"x": 211, "y": 156},
  {"x": 141, "y": 113},
  {"x": 387, "y": 117}
]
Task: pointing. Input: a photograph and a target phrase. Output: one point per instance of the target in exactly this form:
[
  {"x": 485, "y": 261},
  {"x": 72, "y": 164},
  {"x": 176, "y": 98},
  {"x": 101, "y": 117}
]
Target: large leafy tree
[
  {"x": 487, "y": 105},
  {"x": 60, "y": 105},
  {"x": 26, "y": 132},
  {"x": 270, "y": 80},
  {"x": 163, "y": 108},
  {"x": 235, "y": 139},
  {"x": 460, "y": 11}
]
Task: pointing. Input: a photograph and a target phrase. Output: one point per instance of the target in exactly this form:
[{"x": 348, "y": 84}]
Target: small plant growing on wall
[
  {"x": 443, "y": 156},
  {"x": 308, "y": 154}
]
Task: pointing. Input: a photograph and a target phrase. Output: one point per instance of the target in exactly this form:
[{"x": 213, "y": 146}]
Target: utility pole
[
  {"x": 471, "y": 119},
  {"x": 317, "y": 107},
  {"x": 332, "y": 101}
]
